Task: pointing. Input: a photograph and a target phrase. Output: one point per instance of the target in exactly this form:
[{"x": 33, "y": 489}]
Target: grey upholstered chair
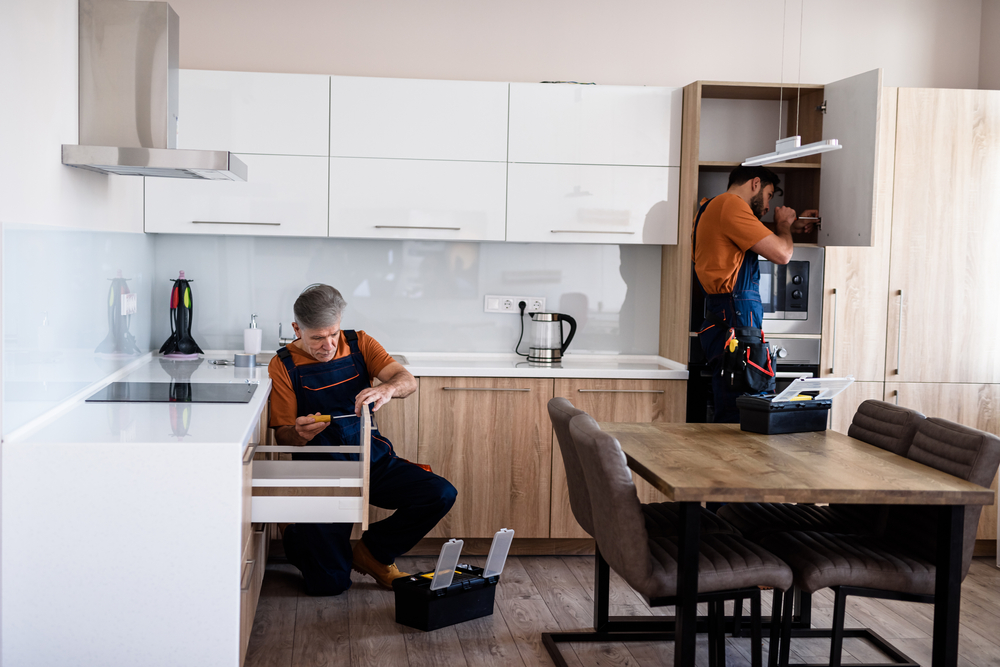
[
  {"x": 730, "y": 566},
  {"x": 900, "y": 563},
  {"x": 884, "y": 425}
]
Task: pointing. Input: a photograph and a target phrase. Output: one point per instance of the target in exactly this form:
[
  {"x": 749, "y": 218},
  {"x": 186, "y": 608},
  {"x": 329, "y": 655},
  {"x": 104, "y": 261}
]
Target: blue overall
[
  {"x": 740, "y": 308},
  {"x": 322, "y": 551}
]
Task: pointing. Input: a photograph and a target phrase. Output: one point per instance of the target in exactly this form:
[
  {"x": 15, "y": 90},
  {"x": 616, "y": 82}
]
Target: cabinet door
[
  {"x": 943, "y": 271},
  {"x": 846, "y": 403},
  {"x": 847, "y": 177},
  {"x": 284, "y": 196},
  {"x": 254, "y": 112},
  {"x": 574, "y": 124},
  {"x": 418, "y": 119},
  {"x": 612, "y": 401},
  {"x": 492, "y": 439},
  {"x": 562, "y": 203},
  {"x": 975, "y": 405},
  {"x": 417, "y": 199},
  {"x": 856, "y": 280}
]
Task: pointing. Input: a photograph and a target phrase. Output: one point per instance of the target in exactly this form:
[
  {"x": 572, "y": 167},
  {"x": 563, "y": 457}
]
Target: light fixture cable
[
  {"x": 798, "y": 93},
  {"x": 781, "y": 75}
]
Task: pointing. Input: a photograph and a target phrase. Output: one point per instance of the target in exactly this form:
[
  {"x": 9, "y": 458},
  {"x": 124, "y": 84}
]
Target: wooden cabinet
[
  {"x": 611, "y": 401},
  {"x": 492, "y": 439},
  {"x": 283, "y": 196},
  {"x": 846, "y": 403},
  {"x": 559, "y": 203},
  {"x": 254, "y": 112},
  {"x": 417, "y": 199},
  {"x": 418, "y": 119},
  {"x": 610, "y": 125},
  {"x": 975, "y": 405},
  {"x": 945, "y": 234}
]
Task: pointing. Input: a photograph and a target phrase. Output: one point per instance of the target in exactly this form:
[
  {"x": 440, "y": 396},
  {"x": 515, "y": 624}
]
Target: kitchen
[{"x": 443, "y": 311}]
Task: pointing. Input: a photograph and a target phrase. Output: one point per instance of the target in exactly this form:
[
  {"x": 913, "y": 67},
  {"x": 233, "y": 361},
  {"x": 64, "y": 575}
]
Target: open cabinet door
[{"x": 847, "y": 177}]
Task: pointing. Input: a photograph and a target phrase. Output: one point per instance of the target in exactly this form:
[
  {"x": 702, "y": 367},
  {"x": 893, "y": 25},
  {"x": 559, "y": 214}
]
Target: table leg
[
  {"x": 687, "y": 584},
  {"x": 948, "y": 585}
]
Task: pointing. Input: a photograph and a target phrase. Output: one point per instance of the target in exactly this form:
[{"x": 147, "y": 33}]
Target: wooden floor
[{"x": 554, "y": 593}]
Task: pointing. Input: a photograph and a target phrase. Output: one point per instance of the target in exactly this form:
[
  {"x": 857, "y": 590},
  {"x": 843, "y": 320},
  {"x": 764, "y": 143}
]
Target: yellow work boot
[{"x": 365, "y": 563}]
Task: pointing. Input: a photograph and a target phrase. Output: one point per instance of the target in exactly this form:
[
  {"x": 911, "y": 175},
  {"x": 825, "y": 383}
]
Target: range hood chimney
[{"x": 128, "y": 96}]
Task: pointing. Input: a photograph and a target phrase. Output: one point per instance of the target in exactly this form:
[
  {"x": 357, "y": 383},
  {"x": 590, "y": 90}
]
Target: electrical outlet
[{"x": 508, "y": 304}]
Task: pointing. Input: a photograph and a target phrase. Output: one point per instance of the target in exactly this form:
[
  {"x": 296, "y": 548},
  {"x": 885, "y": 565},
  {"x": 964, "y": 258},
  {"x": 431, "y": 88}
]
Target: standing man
[
  {"x": 726, "y": 239},
  {"x": 328, "y": 371}
]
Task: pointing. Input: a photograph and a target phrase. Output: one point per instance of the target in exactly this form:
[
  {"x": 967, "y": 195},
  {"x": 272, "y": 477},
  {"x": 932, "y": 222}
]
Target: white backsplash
[
  {"x": 56, "y": 285},
  {"x": 419, "y": 296}
]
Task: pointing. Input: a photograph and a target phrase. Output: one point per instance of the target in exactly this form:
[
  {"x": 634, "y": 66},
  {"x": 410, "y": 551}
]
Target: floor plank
[
  {"x": 271, "y": 641},
  {"x": 322, "y": 632}
]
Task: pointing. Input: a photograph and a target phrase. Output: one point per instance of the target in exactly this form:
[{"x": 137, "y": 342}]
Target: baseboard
[{"x": 985, "y": 548}]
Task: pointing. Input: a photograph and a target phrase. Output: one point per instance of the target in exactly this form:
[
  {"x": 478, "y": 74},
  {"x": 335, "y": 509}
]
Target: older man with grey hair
[{"x": 328, "y": 371}]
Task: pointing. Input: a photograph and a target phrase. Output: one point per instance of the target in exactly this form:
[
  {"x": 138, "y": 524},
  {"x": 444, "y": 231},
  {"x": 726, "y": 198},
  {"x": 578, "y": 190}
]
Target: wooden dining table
[{"x": 696, "y": 463}]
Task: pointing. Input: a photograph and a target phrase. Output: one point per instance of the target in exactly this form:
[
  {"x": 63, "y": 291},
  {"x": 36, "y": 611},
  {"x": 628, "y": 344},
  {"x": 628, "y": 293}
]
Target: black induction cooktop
[{"x": 174, "y": 392}]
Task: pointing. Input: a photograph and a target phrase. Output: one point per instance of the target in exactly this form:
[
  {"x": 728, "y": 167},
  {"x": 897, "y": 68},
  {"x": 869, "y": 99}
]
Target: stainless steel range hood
[{"x": 128, "y": 96}]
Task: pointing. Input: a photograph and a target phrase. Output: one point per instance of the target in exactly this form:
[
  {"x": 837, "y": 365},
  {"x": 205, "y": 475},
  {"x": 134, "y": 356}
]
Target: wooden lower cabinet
[
  {"x": 846, "y": 403},
  {"x": 975, "y": 405},
  {"x": 492, "y": 439},
  {"x": 609, "y": 401},
  {"x": 251, "y": 580}
]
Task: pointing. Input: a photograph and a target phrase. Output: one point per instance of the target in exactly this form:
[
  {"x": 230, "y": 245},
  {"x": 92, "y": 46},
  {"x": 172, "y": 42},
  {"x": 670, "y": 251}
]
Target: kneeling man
[{"x": 328, "y": 371}]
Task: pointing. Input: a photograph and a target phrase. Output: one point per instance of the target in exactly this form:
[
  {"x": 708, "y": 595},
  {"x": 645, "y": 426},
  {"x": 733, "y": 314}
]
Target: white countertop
[
  {"x": 157, "y": 423},
  {"x": 604, "y": 366}
]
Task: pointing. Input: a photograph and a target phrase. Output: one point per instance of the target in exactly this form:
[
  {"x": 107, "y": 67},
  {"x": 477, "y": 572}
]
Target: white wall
[
  {"x": 989, "y": 46},
  {"x": 932, "y": 43}
]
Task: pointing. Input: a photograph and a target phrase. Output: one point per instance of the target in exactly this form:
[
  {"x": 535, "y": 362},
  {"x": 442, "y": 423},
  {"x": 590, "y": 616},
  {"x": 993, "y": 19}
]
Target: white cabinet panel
[
  {"x": 419, "y": 119},
  {"x": 254, "y": 112},
  {"x": 574, "y": 124},
  {"x": 554, "y": 203},
  {"x": 417, "y": 199},
  {"x": 285, "y": 196}
]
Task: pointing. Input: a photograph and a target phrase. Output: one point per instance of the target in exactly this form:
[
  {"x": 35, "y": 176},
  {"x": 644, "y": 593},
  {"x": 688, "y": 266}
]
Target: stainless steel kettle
[{"x": 547, "y": 344}]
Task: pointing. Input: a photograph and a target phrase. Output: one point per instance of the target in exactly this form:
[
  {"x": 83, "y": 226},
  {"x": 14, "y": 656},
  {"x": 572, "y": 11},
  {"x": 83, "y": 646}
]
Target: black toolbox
[
  {"x": 469, "y": 596},
  {"x": 762, "y": 414}
]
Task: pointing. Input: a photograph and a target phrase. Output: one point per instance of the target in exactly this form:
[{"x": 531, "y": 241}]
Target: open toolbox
[
  {"x": 803, "y": 406},
  {"x": 451, "y": 593}
]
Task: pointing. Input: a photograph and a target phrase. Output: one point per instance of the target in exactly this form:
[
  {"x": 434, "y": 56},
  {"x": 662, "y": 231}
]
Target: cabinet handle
[
  {"x": 248, "y": 454},
  {"x": 247, "y": 575},
  {"x": 447, "y": 229},
  {"x": 833, "y": 346},
  {"x": 620, "y": 391},
  {"x": 899, "y": 332},
  {"x": 233, "y": 222},
  {"x": 895, "y": 392},
  {"x": 586, "y": 231},
  {"x": 481, "y": 389}
]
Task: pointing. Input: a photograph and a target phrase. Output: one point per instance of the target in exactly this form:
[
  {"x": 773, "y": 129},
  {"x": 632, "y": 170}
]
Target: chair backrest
[
  {"x": 958, "y": 450},
  {"x": 561, "y": 411},
  {"x": 885, "y": 425},
  {"x": 619, "y": 524}
]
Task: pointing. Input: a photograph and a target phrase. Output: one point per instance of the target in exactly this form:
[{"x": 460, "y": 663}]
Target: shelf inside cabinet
[
  {"x": 717, "y": 165},
  {"x": 753, "y": 91}
]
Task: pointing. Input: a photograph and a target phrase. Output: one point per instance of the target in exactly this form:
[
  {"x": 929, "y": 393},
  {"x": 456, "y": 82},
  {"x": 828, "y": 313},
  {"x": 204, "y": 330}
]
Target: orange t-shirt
[
  {"x": 284, "y": 406},
  {"x": 727, "y": 229}
]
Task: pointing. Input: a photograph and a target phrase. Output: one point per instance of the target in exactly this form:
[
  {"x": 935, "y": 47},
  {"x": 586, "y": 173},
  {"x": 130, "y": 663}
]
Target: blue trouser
[{"x": 322, "y": 551}]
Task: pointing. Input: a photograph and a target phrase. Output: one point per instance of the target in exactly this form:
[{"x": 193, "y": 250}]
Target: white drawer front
[
  {"x": 307, "y": 509},
  {"x": 592, "y": 204},
  {"x": 253, "y": 112},
  {"x": 420, "y": 119},
  {"x": 283, "y": 196},
  {"x": 572, "y": 124},
  {"x": 417, "y": 199}
]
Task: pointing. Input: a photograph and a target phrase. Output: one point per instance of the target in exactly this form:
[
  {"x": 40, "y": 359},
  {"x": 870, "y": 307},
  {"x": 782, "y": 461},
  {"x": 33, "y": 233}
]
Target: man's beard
[{"x": 757, "y": 205}]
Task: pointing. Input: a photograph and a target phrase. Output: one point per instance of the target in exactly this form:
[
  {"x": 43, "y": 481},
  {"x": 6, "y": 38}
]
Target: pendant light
[{"x": 790, "y": 148}]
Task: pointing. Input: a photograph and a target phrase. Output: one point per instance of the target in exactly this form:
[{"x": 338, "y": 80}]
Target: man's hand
[
  {"x": 804, "y": 226},
  {"x": 784, "y": 217},
  {"x": 378, "y": 395},
  {"x": 308, "y": 428}
]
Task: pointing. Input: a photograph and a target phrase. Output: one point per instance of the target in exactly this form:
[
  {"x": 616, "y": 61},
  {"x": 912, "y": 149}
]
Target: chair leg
[
  {"x": 720, "y": 632},
  {"x": 713, "y": 629},
  {"x": 756, "y": 650},
  {"x": 786, "y": 628},
  {"x": 737, "y": 617},
  {"x": 775, "y": 640},
  {"x": 602, "y": 591},
  {"x": 837, "y": 631}
]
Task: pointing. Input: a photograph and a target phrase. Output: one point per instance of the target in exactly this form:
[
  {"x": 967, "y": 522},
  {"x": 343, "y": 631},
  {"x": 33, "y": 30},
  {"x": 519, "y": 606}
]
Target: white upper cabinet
[
  {"x": 417, "y": 199},
  {"x": 583, "y": 124},
  {"x": 253, "y": 112},
  {"x": 418, "y": 119},
  {"x": 284, "y": 196},
  {"x": 558, "y": 203}
]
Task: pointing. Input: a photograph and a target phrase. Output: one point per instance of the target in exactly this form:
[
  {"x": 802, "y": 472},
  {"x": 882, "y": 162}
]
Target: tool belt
[{"x": 746, "y": 359}]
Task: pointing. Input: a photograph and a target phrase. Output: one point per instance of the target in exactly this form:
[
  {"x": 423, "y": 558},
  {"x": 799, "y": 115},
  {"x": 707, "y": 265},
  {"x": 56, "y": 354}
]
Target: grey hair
[{"x": 319, "y": 306}]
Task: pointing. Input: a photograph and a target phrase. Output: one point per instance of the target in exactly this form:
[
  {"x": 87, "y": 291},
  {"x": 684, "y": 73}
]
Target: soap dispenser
[{"x": 252, "y": 337}]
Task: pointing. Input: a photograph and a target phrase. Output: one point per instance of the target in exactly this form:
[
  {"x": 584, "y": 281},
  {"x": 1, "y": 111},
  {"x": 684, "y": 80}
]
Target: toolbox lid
[
  {"x": 827, "y": 388},
  {"x": 444, "y": 572},
  {"x": 498, "y": 552}
]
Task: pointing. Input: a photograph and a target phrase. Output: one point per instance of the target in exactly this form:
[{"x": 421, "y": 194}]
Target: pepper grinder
[{"x": 252, "y": 337}]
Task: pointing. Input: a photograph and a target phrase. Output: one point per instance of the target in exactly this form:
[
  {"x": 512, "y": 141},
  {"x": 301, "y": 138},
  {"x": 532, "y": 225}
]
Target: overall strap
[
  {"x": 697, "y": 219},
  {"x": 351, "y": 336},
  {"x": 286, "y": 359}
]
